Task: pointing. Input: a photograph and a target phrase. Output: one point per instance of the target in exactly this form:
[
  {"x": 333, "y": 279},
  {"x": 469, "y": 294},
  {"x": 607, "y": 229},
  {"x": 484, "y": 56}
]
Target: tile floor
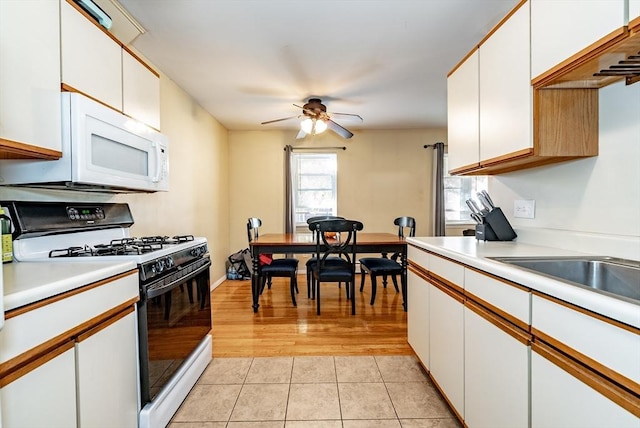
[{"x": 314, "y": 392}]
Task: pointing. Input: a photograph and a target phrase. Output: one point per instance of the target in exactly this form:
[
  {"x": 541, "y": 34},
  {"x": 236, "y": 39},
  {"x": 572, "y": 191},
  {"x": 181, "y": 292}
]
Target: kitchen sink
[{"x": 607, "y": 275}]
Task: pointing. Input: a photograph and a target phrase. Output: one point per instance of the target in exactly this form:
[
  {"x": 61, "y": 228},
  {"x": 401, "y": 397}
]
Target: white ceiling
[{"x": 248, "y": 61}]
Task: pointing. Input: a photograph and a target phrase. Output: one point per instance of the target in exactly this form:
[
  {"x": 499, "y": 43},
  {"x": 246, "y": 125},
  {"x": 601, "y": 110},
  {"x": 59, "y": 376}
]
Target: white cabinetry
[
  {"x": 91, "y": 60},
  {"x": 418, "y": 320},
  {"x": 108, "y": 381},
  {"x": 496, "y": 371},
  {"x": 45, "y": 396},
  {"x": 559, "y": 399},
  {"x": 30, "y": 78},
  {"x": 505, "y": 89},
  {"x": 463, "y": 113},
  {"x": 634, "y": 12},
  {"x": 140, "y": 91},
  {"x": 73, "y": 354},
  {"x": 562, "y": 28}
]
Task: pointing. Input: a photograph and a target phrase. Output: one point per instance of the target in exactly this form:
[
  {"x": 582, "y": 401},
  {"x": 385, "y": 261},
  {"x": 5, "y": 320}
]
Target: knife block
[{"x": 495, "y": 227}]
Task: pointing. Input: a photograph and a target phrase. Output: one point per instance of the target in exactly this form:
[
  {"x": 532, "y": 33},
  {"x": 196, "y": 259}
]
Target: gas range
[{"x": 174, "y": 310}]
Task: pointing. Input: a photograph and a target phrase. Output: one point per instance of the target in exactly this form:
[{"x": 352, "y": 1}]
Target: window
[
  {"x": 456, "y": 191},
  {"x": 314, "y": 185}
]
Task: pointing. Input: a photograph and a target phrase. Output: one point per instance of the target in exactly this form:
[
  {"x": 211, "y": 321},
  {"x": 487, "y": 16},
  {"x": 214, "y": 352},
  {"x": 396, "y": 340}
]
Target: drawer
[
  {"x": 446, "y": 269},
  {"x": 35, "y": 324},
  {"x": 511, "y": 300},
  {"x": 418, "y": 256},
  {"x": 610, "y": 346}
]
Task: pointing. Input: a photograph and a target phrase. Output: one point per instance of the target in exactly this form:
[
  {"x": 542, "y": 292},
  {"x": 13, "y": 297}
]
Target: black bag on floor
[{"x": 240, "y": 265}]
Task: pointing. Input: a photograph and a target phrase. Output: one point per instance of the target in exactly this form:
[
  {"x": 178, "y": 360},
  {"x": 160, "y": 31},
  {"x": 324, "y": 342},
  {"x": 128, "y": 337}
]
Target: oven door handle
[{"x": 161, "y": 286}]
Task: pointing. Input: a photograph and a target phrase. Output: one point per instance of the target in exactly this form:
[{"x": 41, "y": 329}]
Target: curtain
[
  {"x": 289, "y": 214},
  {"x": 438, "y": 158}
]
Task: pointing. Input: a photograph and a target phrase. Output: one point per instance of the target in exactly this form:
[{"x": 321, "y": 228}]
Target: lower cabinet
[
  {"x": 418, "y": 320},
  {"x": 51, "y": 390},
  {"x": 446, "y": 337},
  {"x": 107, "y": 374},
  {"x": 496, "y": 371},
  {"x": 558, "y": 399}
]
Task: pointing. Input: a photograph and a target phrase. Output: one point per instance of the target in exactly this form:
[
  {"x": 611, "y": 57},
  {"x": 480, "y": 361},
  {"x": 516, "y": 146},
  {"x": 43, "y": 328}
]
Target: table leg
[{"x": 255, "y": 280}]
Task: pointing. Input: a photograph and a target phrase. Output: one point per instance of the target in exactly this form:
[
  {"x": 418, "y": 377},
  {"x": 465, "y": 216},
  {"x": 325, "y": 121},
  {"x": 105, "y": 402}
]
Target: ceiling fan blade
[
  {"x": 343, "y": 132},
  {"x": 348, "y": 116},
  {"x": 301, "y": 135},
  {"x": 279, "y": 120}
]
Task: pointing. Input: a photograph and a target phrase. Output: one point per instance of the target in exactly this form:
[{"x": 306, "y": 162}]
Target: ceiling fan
[{"x": 317, "y": 120}]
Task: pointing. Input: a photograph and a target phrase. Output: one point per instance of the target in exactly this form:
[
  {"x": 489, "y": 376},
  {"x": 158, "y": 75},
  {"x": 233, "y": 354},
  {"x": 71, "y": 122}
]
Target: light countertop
[
  {"x": 28, "y": 282},
  {"x": 474, "y": 253}
]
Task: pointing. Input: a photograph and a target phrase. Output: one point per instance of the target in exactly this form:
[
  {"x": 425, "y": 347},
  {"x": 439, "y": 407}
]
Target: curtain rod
[
  {"x": 317, "y": 148},
  {"x": 426, "y": 146}
]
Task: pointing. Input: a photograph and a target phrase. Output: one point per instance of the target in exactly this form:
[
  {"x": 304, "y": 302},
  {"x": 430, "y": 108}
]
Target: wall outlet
[{"x": 524, "y": 208}]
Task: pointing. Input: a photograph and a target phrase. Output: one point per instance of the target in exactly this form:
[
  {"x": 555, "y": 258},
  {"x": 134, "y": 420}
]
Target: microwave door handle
[{"x": 156, "y": 178}]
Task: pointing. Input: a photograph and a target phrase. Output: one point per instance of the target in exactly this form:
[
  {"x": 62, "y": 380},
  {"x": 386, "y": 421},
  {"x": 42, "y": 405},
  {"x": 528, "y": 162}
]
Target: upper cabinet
[
  {"x": 91, "y": 60},
  {"x": 140, "y": 90},
  {"x": 463, "y": 113},
  {"x": 551, "y": 40},
  {"x": 519, "y": 127},
  {"x": 505, "y": 89},
  {"x": 30, "y": 80},
  {"x": 634, "y": 15}
]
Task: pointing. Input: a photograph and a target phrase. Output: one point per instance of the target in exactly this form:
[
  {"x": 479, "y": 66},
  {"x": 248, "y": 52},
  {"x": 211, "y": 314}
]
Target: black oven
[{"x": 174, "y": 315}]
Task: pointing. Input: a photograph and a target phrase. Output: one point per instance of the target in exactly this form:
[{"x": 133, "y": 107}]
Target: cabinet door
[
  {"x": 45, "y": 396},
  {"x": 505, "y": 89},
  {"x": 496, "y": 371},
  {"x": 446, "y": 333},
  {"x": 634, "y": 13},
  {"x": 562, "y": 28},
  {"x": 30, "y": 73},
  {"x": 560, "y": 400},
  {"x": 91, "y": 60},
  {"x": 107, "y": 363},
  {"x": 418, "y": 316},
  {"x": 463, "y": 114},
  {"x": 140, "y": 91}
]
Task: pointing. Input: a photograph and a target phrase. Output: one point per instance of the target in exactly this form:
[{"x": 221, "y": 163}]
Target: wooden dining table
[{"x": 304, "y": 243}]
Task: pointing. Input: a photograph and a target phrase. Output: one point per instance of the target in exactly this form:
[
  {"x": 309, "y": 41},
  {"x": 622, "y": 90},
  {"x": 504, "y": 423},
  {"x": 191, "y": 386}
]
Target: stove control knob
[
  {"x": 159, "y": 266},
  {"x": 169, "y": 263}
]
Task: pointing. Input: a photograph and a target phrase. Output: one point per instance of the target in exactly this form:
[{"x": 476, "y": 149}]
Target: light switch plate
[{"x": 524, "y": 208}]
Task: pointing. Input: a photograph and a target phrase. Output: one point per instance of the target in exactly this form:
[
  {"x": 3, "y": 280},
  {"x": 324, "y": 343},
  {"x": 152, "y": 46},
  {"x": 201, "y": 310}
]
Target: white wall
[
  {"x": 382, "y": 175},
  {"x": 590, "y": 205}
]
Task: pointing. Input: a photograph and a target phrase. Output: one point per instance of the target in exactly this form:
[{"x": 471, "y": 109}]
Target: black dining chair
[
  {"x": 384, "y": 266},
  {"x": 277, "y": 268},
  {"x": 335, "y": 239},
  {"x": 312, "y": 261}
]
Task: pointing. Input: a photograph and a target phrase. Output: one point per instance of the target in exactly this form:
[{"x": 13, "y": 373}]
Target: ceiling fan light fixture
[
  {"x": 321, "y": 126},
  {"x": 307, "y": 125}
]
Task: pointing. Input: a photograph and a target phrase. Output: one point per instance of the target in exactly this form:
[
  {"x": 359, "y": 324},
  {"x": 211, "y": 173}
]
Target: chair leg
[
  {"x": 317, "y": 286},
  {"x": 263, "y": 282},
  {"x": 293, "y": 285},
  {"x": 353, "y": 300},
  {"x": 309, "y": 276},
  {"x": 362, "y": 275},
  {"x": 395, "y": 282},
  {"x": 269, "y": 281},
  {"x": 373, "y": 288},
  {"x": 384, "y": 281}
]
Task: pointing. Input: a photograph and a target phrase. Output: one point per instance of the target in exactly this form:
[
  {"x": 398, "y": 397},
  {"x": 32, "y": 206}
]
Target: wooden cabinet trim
[
  {"x": 619, "y": 395},
  {"x": 26, "y": 358},
  {"x": 102, "y": 325},
  {"x": 16, "y": 150},
  {"x": 418, "y": 270},
  {"x": 141, "y": 61},
  {"x": 524, "y": 153},
  {"x": 506, "y": 326},
  {"x": 452, "y": 290},
  {"x": 590, "y": 53},
  {"x": 475, "y": 300},
  {"x": 584, "y": 311},
  {"x": 499, "y": 279},
  {"x": 33, "y": 306},
  {"x": 11, "y": 376},
  {"x": 445, "y": 398}
]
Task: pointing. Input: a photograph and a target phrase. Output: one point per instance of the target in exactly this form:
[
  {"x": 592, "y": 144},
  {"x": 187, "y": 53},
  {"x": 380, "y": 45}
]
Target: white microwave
[{"x": 102, "y": 150}]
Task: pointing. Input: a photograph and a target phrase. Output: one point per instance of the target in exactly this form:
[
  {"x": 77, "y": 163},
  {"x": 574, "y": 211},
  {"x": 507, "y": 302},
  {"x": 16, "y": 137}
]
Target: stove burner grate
[{"x": 123, "y": 246}]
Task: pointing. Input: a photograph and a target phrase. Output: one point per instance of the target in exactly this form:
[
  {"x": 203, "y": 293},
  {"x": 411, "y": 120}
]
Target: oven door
[
  {"x": 110, "y": 149},
  {"x": 174, "y": 317}
]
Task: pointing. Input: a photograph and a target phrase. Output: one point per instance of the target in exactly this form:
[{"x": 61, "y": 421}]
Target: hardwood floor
[{"x": 280, "y": 329}]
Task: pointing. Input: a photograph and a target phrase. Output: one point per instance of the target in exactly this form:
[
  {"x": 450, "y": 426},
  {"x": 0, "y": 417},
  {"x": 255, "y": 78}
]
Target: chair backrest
[
  {"x": 323, "y": 218},
  {"x": 408, "y": 222},
  {"x": 337, "y": 237},
  {"x": 253, "y": 224}
]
